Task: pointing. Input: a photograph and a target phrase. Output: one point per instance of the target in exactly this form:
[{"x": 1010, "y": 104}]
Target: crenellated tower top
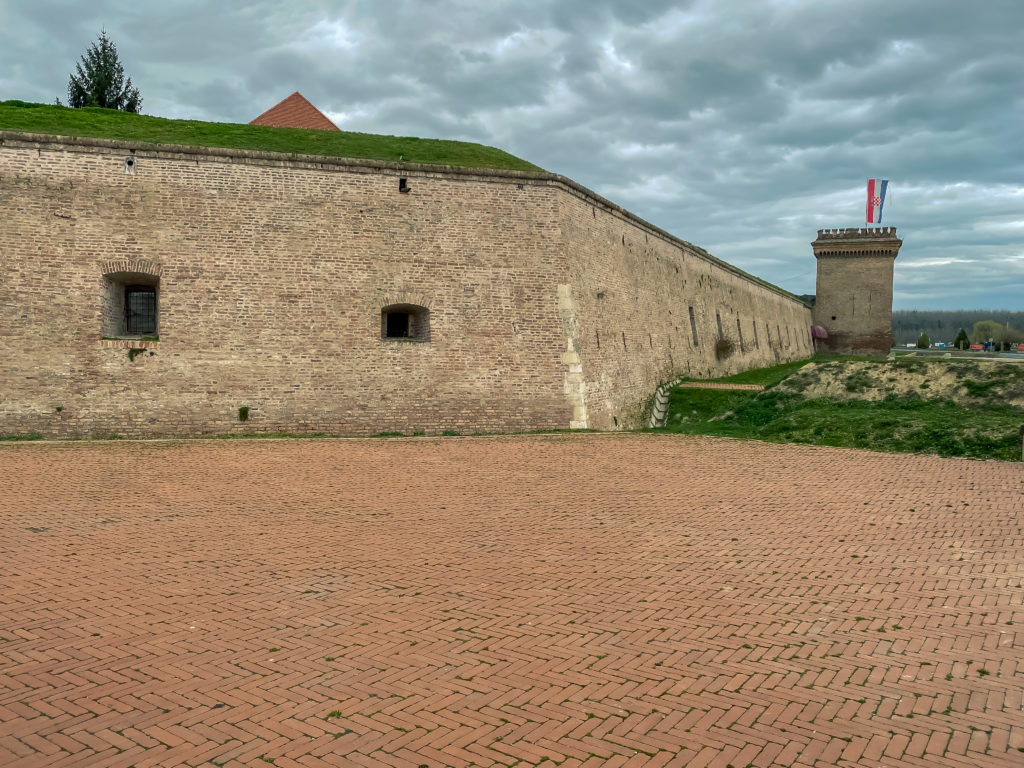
[
  {"x": 856, "y": 232},
  {"x": 857, "y": 241}
]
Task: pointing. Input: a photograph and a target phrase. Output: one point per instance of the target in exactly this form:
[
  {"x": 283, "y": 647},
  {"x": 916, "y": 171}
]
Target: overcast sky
[{"x": 740, "y": 126}]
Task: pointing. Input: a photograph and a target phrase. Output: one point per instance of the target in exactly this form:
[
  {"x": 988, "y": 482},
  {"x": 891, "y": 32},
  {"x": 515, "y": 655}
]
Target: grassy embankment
[
  {"x": 909, "y": 405},
  {"x": 97, "y": 123}
]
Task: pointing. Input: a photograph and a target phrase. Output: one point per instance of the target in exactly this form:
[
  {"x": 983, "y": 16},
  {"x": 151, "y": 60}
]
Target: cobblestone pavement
[{"x": 597, "y": 600}]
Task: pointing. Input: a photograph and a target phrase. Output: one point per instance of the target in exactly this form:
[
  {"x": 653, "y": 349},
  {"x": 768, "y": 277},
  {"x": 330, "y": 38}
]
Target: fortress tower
[{"x": 853, "y": 301}]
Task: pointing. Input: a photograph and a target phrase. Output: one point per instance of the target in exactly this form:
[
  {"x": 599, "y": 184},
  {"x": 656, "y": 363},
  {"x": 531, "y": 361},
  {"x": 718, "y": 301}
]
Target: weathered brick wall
[
  {"x": 854, "y": 303},
  {"x": 272, "y": 280},
  {"x": 853, "y": 299},
  {"x": 272, "y": 274},
  {"x": 633, "y": 286}
]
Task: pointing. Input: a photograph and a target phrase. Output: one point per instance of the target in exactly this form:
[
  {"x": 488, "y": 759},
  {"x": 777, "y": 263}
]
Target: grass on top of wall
[{"x": 94, "y": 122}]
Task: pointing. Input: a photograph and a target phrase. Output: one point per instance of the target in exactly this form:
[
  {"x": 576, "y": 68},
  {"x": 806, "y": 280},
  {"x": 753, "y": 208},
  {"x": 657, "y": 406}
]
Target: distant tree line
[{"x": 908, "y": 325}]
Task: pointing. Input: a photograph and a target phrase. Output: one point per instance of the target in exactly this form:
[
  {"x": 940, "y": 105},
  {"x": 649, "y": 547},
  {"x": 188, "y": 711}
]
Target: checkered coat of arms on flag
[{"x": 876, "y": 199}]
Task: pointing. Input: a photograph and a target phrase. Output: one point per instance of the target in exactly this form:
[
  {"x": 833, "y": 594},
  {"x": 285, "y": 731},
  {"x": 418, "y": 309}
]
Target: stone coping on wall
[
  {"x": 19, "y": 139},
  {"x": 128, "y": 344},
  {"x": 718, "y": 385}
]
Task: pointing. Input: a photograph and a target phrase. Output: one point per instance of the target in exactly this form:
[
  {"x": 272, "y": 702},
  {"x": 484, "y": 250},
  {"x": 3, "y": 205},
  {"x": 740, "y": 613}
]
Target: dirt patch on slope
[{"x": 969, "y": 382}]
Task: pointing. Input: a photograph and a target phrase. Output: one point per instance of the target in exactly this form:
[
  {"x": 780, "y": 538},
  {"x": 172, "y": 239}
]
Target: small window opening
[
  {"x": 405, "y": 321},
  {"x": 718, "y": 319},
  {"x": 397, "y": 325},
  {"x": 597, "y": 335},
  {"x": 131, "y": 306},
  {"x": 757, "y": 341},
  {"x": 739, "y": 332},
  {"x": 624, "y": 340},
  {"x": 140, "y": 310},
  {"x": 693, "y": 326},
  {"x": 403, "y": 185}
]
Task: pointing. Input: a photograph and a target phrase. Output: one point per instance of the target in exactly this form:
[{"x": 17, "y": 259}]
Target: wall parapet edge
[
  {"x": 852, "y": 232},
  {"x": 18, "y": 140}
]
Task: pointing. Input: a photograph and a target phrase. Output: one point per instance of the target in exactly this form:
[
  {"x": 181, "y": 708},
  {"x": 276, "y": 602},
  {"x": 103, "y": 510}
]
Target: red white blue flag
[{"x": 876, "y": 199}]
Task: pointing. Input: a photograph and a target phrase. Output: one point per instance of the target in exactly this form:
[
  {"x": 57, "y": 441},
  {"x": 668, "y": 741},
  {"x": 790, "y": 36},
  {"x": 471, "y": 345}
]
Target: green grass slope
[
  {"x": 977, "y": 421},
  {"x": 99, "y": 123}
]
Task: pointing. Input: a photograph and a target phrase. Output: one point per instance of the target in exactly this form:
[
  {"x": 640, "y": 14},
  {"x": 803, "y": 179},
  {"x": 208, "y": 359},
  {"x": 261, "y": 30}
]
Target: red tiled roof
[{"x": 295, "y": 112}]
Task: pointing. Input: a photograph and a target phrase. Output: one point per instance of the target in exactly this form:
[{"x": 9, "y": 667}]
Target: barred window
[
  {"x": 131, "y": 305},
  {"x": 140, "y": 310}
]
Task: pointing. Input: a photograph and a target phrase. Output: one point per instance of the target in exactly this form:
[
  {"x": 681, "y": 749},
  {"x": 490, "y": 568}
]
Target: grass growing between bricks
[{"x": 979, "y": 424}]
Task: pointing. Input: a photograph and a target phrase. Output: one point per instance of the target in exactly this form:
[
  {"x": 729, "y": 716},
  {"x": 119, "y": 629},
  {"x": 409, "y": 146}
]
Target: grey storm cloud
[{"x": 740, "y": 126}]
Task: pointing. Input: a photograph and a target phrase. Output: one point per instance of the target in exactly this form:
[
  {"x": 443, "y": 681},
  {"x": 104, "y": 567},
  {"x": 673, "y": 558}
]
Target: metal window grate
[{"x": 140, "y": 309}]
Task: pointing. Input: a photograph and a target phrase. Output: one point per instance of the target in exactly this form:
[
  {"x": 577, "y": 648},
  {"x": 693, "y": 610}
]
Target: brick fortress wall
[
  {"x": 272, "y": 272},
  {"x": 633, "y": 288}
]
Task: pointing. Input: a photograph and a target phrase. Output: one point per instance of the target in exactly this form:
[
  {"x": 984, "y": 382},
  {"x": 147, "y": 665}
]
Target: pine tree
[
  {"x": 962, "y": 341},
  {"x": 924, "y": 342},
  {"x": 99, "y": 80}
]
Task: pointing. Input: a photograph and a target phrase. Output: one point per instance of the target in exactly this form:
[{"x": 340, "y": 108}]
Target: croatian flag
[{"x": 876, "y": 199}]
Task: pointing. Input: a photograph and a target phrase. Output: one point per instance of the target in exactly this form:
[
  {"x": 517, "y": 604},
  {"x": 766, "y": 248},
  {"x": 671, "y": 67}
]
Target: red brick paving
[{"x": 589, "y": 600}]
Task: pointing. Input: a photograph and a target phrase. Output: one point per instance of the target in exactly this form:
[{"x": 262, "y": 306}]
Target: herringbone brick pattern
[{"x": 587, "y": 600}]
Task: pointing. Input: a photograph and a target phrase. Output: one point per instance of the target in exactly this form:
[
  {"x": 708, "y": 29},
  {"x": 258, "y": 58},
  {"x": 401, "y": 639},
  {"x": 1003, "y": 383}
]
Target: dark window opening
[
  {"x": 739, "y": 333},
  {"x": 718, "y": 318},
  {"x": 405, "y": 321},
  {"x": 140, "y": 310},
  {"x": 757, "y": 341},
  {"x": 403, "y": 185},
  {"x": 693, "y": 327},
  {"x": 397, "y": 325}
]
